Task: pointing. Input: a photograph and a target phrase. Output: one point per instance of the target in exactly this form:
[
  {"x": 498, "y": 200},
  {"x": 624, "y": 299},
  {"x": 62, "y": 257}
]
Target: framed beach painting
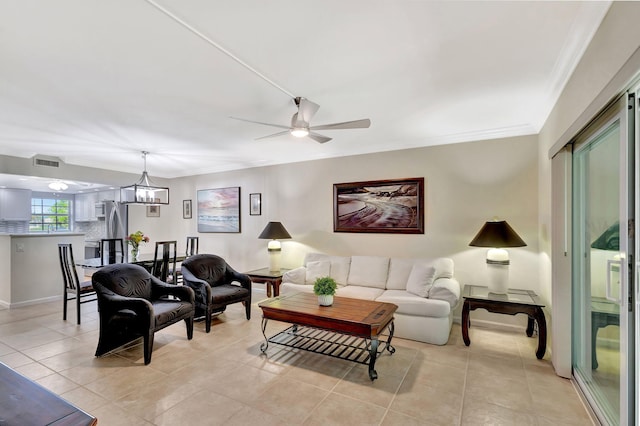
[
  {"x": 219, "y": 210},
  {"x": 379, "y": 206}
]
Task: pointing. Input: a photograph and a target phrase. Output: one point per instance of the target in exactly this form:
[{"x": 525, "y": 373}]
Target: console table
[
  {"x": 514, "y": 302},
  {"x": 272, "y": 279}
]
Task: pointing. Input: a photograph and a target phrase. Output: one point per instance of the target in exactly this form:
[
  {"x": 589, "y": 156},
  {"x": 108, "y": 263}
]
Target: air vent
[{"x": 46, "y": 162}]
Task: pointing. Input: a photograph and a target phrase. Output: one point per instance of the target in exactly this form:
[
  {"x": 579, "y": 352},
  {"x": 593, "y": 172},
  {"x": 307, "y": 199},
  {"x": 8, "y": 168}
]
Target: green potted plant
[{"x": 325, "y": 288}]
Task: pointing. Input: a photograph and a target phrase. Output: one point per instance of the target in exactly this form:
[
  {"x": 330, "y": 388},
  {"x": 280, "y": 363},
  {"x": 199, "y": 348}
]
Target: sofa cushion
[
  {"x": 446, "y": 289},
  {"x": 368, "y": 271},
  {"x": 409, "y": 304},
  {"x": 296, "y": 275},
  {"x": 359, "y": 292},
  {"x": 340, "y": 268},
  {"x": 399, "y": 270},
  {"x": 420, "y": 279},
  {"x": 317, "y": 269}
]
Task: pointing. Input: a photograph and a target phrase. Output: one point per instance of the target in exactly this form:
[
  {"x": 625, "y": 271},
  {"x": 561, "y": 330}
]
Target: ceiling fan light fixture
[
  {"x": 299, "y": 132},
  {"x": 58, "y": 185}
]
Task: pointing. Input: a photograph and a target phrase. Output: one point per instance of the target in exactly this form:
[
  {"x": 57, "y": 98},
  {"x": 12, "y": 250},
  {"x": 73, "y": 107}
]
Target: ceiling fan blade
[
  {"x": 356, "y": 124},
  {"x": 306, "y": 109},
  {"x": 286, "y": 132},
  {"x": 318, "y": 138},
  {"x": 260, "y": 122}
]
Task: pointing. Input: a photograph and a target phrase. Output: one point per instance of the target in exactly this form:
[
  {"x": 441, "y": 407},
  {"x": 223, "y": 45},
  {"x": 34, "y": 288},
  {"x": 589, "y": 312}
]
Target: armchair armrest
[
  {"x": 112, "y": 303},
  {"x": 160, "y": 288},
  {"x": 233, "y": 275},
  {"x": 201, "y": 288}
]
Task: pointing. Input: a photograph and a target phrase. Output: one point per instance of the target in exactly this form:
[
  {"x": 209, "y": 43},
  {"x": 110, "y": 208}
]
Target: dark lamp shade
[
  {"x": 274, "y": 231},
  {"x": 497, "y": 234}
]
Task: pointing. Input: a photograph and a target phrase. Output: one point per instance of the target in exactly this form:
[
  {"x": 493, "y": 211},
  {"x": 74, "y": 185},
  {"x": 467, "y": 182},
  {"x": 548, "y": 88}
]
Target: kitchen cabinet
[
  {"x": 15, "y": 204},
  {"x": 111, "y": 195},
  {"x": 85, "y": 207}
]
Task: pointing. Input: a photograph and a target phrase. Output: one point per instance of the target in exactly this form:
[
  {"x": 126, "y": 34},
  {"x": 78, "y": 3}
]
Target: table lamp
[
  {"x": 274, "y": 231},
  {"x": 497, "y": 234}
]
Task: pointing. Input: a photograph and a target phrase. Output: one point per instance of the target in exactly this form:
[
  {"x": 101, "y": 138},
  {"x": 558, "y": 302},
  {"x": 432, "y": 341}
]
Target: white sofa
[{"x": 424, "y": 290}]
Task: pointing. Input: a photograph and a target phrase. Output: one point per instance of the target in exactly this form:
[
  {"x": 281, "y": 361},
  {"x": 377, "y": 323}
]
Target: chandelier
[{"x": 143, "y": 191}]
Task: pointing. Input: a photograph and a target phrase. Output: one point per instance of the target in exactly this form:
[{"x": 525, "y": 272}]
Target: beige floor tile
[
  {"x": 505, "y": 392},
  {"x": 479, "y": 412},
  {"x": 222, "y": 377},
  {"x": 448, "y": 378},
  {"x": 57, "y": 383},
  {"x": 112, "y": 415},
  {"x": 342, "y": 410},
  {"x": 428, "y": 403},
  {"x": 356, "y": 384},
  {"x": 34, "y": 370},
  {"x": 251, "y": 416},
  {"x": 157, "y": 397},
  {"x": 206, "y": 409},
  {"x": 15, "y": 359},
  {"x": 124, "y": 381},
  {"x": 393, "y": 418},
  {"x": 496, "y": 366},
  {"x": 85, "y": 399},
  {"x": 290, "y": 400},
  {"x": 243, "y": 384}
]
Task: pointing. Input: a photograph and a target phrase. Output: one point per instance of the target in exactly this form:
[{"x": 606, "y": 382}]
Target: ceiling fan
[{"x": 300, "y": 123}]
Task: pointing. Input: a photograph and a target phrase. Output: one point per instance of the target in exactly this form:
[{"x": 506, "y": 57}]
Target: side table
[
  {"x": 514, "y": 302},
  {"x": 271, "y": 278}
]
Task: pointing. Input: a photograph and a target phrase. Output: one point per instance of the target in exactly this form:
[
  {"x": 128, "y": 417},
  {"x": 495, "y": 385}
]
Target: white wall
[
  {"x": 465, "y": 185},
  {"x": 35, "y": 268}
]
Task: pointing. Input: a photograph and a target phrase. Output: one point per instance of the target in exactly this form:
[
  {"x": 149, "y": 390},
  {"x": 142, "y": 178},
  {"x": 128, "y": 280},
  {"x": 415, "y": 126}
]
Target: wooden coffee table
[{"x": 349, "y": 329}]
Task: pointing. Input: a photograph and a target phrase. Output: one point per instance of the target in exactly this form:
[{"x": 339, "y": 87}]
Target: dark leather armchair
[
  {"x": 133, "y": 303},
  {"x": 212, "y": 280}
]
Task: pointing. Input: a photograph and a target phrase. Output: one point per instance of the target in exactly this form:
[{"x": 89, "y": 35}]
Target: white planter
[{"x": 325, "y": 299}]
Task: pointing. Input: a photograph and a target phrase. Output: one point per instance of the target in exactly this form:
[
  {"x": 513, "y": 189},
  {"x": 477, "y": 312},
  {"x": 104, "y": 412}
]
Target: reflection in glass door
[{"x": 600, "y": 287}]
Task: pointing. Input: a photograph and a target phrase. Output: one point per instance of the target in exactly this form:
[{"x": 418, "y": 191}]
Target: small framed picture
[
  {"x": 153, "y": 211},
  {"x": 186, "y": 209},
  {"x": 255, "y": 204}
]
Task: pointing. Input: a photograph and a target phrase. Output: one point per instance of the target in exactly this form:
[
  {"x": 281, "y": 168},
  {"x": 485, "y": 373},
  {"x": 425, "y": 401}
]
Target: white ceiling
[{"x": 95, "y": 82}]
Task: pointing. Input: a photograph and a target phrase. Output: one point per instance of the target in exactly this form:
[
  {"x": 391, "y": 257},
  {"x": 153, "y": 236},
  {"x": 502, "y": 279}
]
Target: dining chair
[
  {"x": 82, "y": 292},
  {"x": 112, "y": 245},
  {"x": 192, "y": 246},
  {"x": 164, "y": 261},
  {"x": 192, "y": 249}
]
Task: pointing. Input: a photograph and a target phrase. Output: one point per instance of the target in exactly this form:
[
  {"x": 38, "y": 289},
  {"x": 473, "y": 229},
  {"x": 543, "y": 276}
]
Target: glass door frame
[{"x": 617, "y": 112}]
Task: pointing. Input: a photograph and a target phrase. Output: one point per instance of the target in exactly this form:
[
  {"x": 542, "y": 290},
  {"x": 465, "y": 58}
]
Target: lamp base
[
  {"x": 274, "y": 260},
  {"x": 498, "y": 277}
]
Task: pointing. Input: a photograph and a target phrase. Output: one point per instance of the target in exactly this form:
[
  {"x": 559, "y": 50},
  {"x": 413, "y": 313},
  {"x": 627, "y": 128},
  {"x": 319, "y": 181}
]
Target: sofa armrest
[
  {"x": 295, "y": 276},
  {"x": 447, "y": 289}
]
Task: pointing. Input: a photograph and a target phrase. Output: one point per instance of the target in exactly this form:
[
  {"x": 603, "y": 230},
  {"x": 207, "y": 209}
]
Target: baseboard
[{"x": 33, "y": 302}]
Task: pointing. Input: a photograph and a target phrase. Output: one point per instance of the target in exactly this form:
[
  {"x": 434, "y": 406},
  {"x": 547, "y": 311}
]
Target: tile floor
[{"x": 221, "y": 377}]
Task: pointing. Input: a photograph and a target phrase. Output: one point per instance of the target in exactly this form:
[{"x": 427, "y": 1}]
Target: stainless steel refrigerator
[{"x": 116, "y": 218}]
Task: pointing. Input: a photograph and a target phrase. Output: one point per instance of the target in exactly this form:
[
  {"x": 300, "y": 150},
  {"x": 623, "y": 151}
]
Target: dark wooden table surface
[
  {"x": 514, "y": 302},
  {"x": 23, "y": 402}
]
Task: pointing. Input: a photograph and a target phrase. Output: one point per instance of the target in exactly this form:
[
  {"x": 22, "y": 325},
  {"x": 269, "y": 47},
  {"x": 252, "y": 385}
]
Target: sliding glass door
[{"x": 603, "y": 206}]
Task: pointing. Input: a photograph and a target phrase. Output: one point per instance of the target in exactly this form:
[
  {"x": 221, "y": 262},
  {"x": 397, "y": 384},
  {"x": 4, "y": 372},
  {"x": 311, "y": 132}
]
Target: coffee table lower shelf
[{"x": 331, "y": 343}]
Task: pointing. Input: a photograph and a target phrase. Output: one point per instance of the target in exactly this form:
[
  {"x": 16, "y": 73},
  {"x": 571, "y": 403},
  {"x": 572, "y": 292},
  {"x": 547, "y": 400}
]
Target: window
[{"x": 49, "y": 215}]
